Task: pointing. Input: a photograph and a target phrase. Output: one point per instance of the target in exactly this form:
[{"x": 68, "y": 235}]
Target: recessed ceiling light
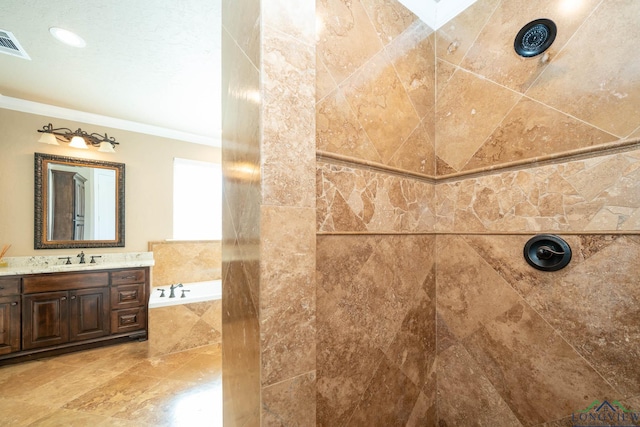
[{"x": 67, "y": 37}]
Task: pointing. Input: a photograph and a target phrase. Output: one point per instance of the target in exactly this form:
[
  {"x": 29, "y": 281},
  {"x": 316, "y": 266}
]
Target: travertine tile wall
[
  {"x": 601, "y": 193},
  {"x": 185, "y": 261},
  {"x": 269, "y": 338},
  {"x": 494, "y": 107},
  {"x": 356, "y": 199},
  {"x": 394, "y": 145},
  {"x": 375, "y": 252},
  {"x": 517, "y": 346},
  {"x": 241, "y": 212},
  {"x": 375, "y": 65},
  {"x": 376, "y": 330},
  {"x": 184, "y": 326}
]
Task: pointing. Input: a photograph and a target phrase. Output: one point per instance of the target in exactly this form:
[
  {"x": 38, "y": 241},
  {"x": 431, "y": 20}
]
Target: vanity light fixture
[{"x": 77, "y": 139}]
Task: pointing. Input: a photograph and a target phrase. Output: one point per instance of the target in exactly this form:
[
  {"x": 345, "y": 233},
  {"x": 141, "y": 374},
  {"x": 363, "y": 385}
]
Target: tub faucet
[{"x": 172, "y": 287}]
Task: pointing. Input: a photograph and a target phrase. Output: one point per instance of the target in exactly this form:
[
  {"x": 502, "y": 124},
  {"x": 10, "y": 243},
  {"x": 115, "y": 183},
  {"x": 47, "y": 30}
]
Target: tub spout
[{"x": 173, "y": 287}]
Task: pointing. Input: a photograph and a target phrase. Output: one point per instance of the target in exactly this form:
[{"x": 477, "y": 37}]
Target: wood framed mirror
[{"x": 79, "y": 203}]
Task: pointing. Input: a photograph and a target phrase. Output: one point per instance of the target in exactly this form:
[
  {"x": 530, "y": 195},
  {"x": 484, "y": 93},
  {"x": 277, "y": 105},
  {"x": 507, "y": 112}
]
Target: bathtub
[{"x": 198, "y": 292}]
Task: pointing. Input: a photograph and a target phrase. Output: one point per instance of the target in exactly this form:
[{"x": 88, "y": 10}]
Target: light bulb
[
  {"x": 48, "y": 138},
  {"x": 106, "y": 147},
  {"x": 78, "y": 142},
  {"x": 67, "y": 37}
]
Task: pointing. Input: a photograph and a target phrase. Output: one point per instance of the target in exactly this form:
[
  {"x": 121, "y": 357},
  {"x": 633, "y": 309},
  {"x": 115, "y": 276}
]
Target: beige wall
[{"x": 148, "y": 174}]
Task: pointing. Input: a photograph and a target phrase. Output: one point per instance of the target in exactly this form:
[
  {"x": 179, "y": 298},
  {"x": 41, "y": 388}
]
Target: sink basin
[{"x": 70, "y": 267}]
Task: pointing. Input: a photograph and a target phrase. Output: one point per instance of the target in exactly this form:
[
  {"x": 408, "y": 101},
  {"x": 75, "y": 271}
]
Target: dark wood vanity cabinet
[
  {"x": 128, "y": 300},
  {"x": 9, "y": 315},
  {"x": 52, "y": 318},
  {"x": 61, "y": 312}
]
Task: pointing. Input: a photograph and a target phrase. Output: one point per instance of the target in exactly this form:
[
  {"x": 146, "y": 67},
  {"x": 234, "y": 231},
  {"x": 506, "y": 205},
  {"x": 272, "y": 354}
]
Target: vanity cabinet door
[
  {"x": 89, "y": 313},
  {"x": 45, "y": 319},
  {"x": 9, "y": 324}
]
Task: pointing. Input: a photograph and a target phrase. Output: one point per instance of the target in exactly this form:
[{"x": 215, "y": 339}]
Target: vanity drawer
[
  {"x": 124, "y": 277},
  {"x": 64, "y": 282},
  {"x": 128, "y": 320},
  {"x": 9, "y": 286},
  {"x": 127, "y": 296}
]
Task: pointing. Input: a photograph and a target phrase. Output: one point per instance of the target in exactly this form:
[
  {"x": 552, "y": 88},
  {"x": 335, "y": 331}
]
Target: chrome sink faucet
[{"x": 173, "y": 287}]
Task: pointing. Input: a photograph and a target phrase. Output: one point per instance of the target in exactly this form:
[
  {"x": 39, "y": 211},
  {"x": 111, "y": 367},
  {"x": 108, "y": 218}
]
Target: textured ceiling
[{"x": 153, "y": 62}]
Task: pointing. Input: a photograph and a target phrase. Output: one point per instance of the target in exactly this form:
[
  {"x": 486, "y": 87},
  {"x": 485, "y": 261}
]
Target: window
[{"x": 197, "y": 200}]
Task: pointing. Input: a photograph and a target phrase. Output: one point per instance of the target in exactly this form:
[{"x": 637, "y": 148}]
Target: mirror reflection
[{"x": 79, "y": 203}]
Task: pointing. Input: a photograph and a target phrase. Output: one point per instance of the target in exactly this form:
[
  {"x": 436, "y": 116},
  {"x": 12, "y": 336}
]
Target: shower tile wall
[
  {"x": 375, "y": 66},
  {"x": 375, "y": 252},
  {"x": 495, "y": 108},
  {"x": 597, "y": 194},
  {"x": 376, "y": 330},
  {"x": 241, "y": 212},
  {"x": 396, "y": 131},
  {"x": 534, "y": 346},
  {"x": 269, "y": 212},
  {"x": 356, "y": 199}
]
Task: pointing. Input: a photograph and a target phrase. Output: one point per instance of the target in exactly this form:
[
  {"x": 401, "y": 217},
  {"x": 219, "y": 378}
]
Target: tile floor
[{"x": 119, "y": 385}]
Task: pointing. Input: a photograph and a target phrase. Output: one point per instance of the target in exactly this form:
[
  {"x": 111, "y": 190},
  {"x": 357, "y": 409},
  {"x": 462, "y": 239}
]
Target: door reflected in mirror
[{"x": 78, "y": 203}]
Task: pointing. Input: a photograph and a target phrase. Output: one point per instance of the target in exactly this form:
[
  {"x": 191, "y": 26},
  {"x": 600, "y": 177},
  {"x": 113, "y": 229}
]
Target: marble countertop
[{"x": 53, "y": 264}]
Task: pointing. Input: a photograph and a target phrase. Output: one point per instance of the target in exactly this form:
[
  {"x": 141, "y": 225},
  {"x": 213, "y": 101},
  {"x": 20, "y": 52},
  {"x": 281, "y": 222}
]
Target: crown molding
[{"x": 47, "y": 110}]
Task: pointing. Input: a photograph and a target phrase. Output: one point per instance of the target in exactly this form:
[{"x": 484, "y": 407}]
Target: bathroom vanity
[{"x": 48, "y": 313}]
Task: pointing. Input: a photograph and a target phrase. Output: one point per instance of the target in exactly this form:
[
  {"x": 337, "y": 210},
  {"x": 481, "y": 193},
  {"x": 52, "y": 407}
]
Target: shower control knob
[{"x": 547, "y": 252}]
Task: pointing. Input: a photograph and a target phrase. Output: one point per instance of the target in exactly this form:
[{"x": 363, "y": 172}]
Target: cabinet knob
[
  {"x": 63, "y": 298},
  {"x": 14, "y": 303},
  {"x": 73, "y": 297}
]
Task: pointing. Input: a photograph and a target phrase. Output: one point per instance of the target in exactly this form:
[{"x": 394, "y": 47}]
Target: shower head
[{"x": 535, "y": 37}]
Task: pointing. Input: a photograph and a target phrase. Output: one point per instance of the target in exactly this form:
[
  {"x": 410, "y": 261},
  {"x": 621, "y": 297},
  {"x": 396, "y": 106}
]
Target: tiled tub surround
[
  {"x": 188, "y": 323},
  {"x": 192, "y": 322},
  {"x": 185, "y": 261}
]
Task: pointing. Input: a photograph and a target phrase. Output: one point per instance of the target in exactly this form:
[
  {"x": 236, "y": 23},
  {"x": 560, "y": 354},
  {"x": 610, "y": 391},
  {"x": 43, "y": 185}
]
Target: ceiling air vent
[{"x": 11, "y": 46}]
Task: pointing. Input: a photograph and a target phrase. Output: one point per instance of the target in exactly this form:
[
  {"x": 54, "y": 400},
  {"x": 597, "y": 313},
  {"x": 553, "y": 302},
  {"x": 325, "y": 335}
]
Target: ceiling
[{"x": 149, "y": 65}]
